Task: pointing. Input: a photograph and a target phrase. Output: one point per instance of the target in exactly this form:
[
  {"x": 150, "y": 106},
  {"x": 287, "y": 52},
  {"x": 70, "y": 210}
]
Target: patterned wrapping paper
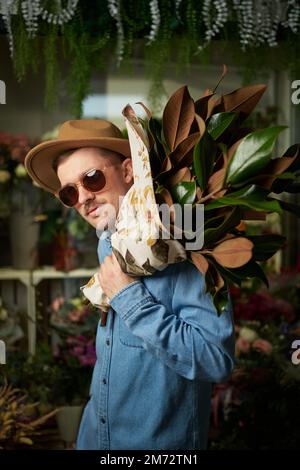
[{"x": 141, "y": 243}]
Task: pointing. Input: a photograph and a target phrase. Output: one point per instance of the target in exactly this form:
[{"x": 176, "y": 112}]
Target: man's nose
[{"x": 84, "y": 195}]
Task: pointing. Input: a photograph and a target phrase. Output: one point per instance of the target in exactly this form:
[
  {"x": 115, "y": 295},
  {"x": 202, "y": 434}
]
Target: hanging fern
[
  {"x": 84, "y": 35},
  {"x": 51, "y": 68}
]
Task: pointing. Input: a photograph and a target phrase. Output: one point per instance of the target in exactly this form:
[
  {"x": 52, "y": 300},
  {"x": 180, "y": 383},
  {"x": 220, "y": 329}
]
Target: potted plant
[
  {"x": 73, "y": 343},
  {"x": 19, "y": 418}
]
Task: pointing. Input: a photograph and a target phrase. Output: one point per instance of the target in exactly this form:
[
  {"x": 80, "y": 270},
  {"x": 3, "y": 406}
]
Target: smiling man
[{"x": 163, "y": 344}]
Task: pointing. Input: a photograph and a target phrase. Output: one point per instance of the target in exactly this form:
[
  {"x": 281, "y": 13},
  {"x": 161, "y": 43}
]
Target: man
[{"x": 163, "y": 344}]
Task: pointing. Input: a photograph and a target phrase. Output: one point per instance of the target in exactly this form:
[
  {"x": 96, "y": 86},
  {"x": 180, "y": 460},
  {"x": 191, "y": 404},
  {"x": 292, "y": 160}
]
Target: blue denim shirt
[{"x": 162, "y": 348}]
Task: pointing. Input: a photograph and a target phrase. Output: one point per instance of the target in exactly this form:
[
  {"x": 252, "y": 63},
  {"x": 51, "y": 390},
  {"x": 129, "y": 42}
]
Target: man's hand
[{"x": 111, "y": 277}]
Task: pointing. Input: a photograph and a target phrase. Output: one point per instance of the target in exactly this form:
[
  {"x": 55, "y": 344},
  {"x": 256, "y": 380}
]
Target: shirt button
[
  {"x": 103, "y": 421},
  {"x": 107, "y": 342},
  {"x": 104, "y": 381}
]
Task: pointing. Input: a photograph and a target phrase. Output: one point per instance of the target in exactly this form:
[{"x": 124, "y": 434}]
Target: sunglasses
[{"x": 93, "y": 180}]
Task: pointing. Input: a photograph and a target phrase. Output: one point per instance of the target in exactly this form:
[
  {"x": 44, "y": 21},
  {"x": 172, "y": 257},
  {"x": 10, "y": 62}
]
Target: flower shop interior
[{"x": 80, "y": 59}]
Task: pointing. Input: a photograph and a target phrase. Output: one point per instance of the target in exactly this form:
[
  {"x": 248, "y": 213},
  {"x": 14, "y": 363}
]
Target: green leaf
[
  {"x": 212, "y": 235},
  {"x": 155, "y": 128},
  {"x": 204, "y": 157},
  {"x": 250, "y": 270},
  {"x": 220, "y": 300},
  {"x": 218, "y": 123},
  {"x": 266, "y": 246},
  {"x": 184, "y": 192},
  {"x": 252, "y": 155},
  {"x": 237, "y": 275},
  {"x": 226, "y": 273},
  {"x": 252, "y": 196}
]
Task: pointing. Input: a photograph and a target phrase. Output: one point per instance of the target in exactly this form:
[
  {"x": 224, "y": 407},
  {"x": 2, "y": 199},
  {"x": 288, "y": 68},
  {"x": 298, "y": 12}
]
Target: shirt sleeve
[{"x": 190, "y": 338}]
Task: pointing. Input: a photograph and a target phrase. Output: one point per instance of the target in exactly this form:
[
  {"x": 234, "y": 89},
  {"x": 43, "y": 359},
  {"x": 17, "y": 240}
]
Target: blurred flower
[
  {"x": 4, "y": 176},
  {"x": 263, "y": 346},
  {"x": 3, "y": 312},
  {"x": 57, "y": 303},
  {"x": 20, "y": 171},
  {"x": 242, "y": 345},
  {"x": 248, "y": 334}
]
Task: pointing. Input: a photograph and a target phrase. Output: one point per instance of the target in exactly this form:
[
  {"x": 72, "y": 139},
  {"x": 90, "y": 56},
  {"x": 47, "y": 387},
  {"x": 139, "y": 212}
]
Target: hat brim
[{"x": 39, "y": 160}]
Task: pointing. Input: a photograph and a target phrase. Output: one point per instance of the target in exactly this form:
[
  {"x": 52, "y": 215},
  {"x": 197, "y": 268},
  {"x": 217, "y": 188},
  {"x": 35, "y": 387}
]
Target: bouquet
[{"x": 203, "y": 153}]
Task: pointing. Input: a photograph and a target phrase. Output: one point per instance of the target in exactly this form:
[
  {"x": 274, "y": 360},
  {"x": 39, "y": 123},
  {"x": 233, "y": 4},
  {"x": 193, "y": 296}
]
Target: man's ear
[{"x": 127, "y": 170}]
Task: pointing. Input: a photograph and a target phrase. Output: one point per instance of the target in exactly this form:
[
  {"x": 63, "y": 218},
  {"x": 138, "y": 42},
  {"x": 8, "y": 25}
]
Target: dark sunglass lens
[
  {"x": 69, "y": 195},
  {"x": 94, "y": 180}
]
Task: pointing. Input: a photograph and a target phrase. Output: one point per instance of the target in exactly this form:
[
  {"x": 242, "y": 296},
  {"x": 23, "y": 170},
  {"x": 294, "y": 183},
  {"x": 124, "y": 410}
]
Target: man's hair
[{"x": 105, "y": 153}]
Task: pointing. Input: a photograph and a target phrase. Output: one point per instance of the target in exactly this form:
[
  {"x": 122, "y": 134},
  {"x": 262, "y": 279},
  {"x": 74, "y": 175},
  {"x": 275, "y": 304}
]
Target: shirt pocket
[{"x": 127, "y": 338}]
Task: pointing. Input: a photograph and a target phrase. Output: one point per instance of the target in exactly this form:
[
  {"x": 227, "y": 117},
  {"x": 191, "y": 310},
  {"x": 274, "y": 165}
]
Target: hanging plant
[{"x": 260, "y": 36}]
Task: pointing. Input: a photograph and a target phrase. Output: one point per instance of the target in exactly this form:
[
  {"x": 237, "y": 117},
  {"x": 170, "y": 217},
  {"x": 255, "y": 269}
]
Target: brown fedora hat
[{"x": 72, "y": 135}]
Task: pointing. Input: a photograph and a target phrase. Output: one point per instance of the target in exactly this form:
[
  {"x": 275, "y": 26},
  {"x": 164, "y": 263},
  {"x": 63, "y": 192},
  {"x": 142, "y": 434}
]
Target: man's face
[{"x": 100, "y": 208}]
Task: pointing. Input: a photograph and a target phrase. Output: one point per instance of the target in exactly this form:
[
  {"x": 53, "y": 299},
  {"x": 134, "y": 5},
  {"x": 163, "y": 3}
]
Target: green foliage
[
  {"x": 89, "y": 41},
  {"x": 203, "y": 159},
  {"x": 253, "y": 154},
  {"x": 201, "y": 154}
]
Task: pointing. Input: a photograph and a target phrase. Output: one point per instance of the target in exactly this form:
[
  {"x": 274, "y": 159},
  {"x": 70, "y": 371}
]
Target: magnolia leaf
[
  {"x": 201, "y": 106},
  {"x": 293, "y": 151},
  {"x": 201, "y": 124},
  {"x": 289, "y": 161},
  {"x": 184, "y": 147},
  {"x": 215, "y": 286},
  {"x": 214, "y": 222},
  {"x": 164, "y": 197},
  {"x": 147, "y": 111},
  {"x": 184, "y": 192},
  {"x": 198, "y": 194},
  {"x": 233, "y": 253},
  {"x": 231, "y": 220},
  {"x": 212, "y": 105},
  {"x": 237, "y": 275},
  {"x": 279, "y": 165},
  {"x": 226, "y": 273},
  {"x": 216, "y": 181},
  {"x": 183, "y": 174},
  {"x": 199, "y": 261},
  {"x": 166, "y": 165},
  {"x": 220, "y": 300},
  {"x": 224, "y": 72},
  {"x": 178, "y": 117},
  {"x": 266, "y": 180},
  {"x": 252, "y": 196},
  {"x": 218, "y": 123},
  {"x": 203, "y": 159},
  {"x": 154, "y": 128},
  {"x": 218, "y": 280},
  {"x": 266, "y": 246},
  {"x": 251, "y": 270},
  {"x": 235, "y": 138},
  {"x": 233, "y": 149},
  {"x": 243, "y": 99},
  {"x": 252, "y": 155}
]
